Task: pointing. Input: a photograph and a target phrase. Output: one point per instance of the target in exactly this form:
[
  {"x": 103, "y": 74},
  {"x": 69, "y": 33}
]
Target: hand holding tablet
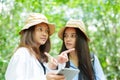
[{"x": 68, "y": 73}]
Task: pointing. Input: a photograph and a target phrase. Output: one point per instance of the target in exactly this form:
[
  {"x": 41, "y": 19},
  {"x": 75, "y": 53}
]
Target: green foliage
[{"x": 101, "y": 18}]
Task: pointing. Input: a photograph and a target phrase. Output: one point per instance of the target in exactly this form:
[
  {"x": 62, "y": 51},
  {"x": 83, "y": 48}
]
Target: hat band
[{"x": 34, "y": 19}]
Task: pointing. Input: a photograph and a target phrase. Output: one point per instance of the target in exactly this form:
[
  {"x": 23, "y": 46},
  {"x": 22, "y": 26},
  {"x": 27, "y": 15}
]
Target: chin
[
  {"x": 69, "y": 47},
  {"x": 42, "y": 43}
]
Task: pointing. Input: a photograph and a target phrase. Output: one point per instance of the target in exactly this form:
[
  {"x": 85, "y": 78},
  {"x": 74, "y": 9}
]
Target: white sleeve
[
  {"x": 23, "y": 66},
  {"x": 16, "y": 68}
]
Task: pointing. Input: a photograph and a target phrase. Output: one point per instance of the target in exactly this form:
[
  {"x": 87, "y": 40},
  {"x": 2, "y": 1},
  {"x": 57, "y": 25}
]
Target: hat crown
[
  {"x": 34, "y": 17},
  {"x": 77, "y": 24}
]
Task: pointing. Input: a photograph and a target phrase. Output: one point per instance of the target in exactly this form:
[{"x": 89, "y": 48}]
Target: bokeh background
[{"x": 101, "y": 17}]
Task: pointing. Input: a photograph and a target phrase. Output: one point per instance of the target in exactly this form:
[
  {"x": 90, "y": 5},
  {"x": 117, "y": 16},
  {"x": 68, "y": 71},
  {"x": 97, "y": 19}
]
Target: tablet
[{"x": 68, "y": 73}]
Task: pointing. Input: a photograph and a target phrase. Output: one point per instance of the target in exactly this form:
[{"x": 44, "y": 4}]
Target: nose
[
  {"x": 44, "y": 33},
  {"x": 68, "y": 38}
]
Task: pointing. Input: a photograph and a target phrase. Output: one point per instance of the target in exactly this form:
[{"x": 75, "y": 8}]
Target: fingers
[
  {"x": 52, "y": 61},
  {"x": 68, "y": 51},
  {"x": 48, "y": 55},
  {"x": 62, "y": 59}
]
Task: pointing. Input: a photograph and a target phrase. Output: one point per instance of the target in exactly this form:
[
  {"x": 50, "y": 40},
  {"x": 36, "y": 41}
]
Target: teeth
[{"x": 68, "y": 43}]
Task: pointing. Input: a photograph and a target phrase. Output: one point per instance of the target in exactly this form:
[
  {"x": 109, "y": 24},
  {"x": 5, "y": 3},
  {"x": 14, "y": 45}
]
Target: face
[
  {"x": 70, "y": 38},
  {"x": 41, "y": 33}
]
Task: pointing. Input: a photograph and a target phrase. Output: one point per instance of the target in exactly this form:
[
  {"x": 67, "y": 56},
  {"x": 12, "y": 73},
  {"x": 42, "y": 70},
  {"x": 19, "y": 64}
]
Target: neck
[
  {"x": 73, "y": 57},
  {"x": 38, "y": 46}
]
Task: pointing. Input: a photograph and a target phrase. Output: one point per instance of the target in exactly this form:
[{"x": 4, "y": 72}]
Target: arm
[
  {"x": 24, "y": 66},
  {"x": 99, "y": 74},
  {"x": 16, "y": 67}
]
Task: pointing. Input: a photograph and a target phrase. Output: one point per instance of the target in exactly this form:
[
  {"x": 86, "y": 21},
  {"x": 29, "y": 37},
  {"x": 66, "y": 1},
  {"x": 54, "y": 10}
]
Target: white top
[{"x": 24, "y": 66}]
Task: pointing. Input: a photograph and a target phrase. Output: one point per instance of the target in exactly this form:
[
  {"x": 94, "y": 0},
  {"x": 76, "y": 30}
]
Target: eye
[
  {"x": 47, "y": 31},
  {"x": 39, "y": 29},
  {"x": 73, "y": 35},
  {"x": 65, "y": 35}
]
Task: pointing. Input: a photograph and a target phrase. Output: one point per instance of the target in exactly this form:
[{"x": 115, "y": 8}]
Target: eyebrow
[
  {"x": 42, "y": 27},
  {"x": 71, "y": 33}
]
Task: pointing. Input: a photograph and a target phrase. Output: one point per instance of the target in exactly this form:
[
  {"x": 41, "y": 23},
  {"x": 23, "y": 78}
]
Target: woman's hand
[
  {"x": 53, "y": 76},
  {"x": 52, "y": 61},
  {"x": 62, "y": 58}
]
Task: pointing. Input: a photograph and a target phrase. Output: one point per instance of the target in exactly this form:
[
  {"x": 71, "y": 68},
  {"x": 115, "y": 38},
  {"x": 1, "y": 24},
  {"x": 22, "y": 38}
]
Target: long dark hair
[
  {"x": 27, "y": 41},
  {"x": 84, "y": 59}
]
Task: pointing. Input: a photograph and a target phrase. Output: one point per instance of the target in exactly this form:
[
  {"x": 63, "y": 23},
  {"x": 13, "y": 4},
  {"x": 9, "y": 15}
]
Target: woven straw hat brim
[{"x": 51, "y": 26}]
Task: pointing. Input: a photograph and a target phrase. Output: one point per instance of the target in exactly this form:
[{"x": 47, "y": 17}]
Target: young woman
[
  {"x": 74, "y": 36},
  {"x": 28, "y": 61}
]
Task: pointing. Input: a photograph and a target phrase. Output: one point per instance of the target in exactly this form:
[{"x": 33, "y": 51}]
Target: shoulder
[
  {"x": 93, "y": 56},
  {"x": 94, "y": 59},
  {"x": 99, "y": 74},
  {"x": 22, "y": 51},
  {"x": 21, "y": 55}
]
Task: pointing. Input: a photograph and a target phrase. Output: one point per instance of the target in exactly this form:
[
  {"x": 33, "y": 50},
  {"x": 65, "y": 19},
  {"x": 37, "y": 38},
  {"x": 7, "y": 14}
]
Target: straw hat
[
  {"x": 74, "y": 24},
  {"x": 37, "y": 18}
]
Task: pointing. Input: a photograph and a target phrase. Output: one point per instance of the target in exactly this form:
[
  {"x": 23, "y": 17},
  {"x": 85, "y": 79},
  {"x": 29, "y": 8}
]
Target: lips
[
  {"x": 68, "y": 44},
  {"x": 43, "y": 39}
]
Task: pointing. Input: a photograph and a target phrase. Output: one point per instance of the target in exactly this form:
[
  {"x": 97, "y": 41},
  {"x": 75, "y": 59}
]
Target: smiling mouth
[
  {"x": 68, "y": 44},
  {"x": 44, "y": 39}
]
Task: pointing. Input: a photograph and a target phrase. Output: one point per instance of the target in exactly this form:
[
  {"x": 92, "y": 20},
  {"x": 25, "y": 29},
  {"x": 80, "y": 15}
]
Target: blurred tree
[{"x": 101, "y": 18}]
